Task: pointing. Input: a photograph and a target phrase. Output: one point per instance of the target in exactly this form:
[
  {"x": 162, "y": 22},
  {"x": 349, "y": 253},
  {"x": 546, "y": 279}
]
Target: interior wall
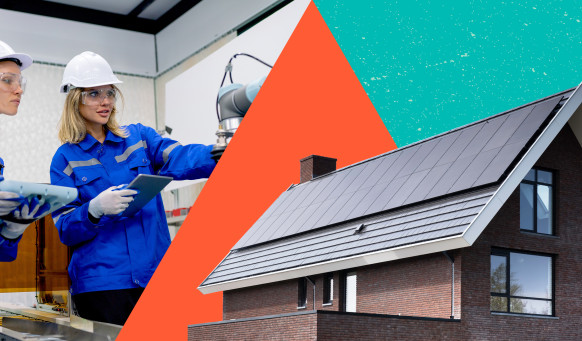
[
  {"x": 191, "y": 96},
  {"x": 29, "y": 140},
  {"x": 163, "y": 79}
]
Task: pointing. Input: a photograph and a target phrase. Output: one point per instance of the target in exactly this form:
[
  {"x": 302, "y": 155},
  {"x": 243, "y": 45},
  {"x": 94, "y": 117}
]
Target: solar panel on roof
[{"x": 471, "y": 156}]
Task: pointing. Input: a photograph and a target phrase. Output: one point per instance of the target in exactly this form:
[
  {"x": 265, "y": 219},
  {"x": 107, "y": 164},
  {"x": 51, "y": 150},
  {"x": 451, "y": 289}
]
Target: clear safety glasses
[
  {"x": 11, "y": 81},
  {"x": 96, "y": 97}
]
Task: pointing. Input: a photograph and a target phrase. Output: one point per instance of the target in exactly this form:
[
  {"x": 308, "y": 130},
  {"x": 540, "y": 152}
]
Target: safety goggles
[
  {"x": 96, "y": 96},
  {"x": 11, "y": 81}
]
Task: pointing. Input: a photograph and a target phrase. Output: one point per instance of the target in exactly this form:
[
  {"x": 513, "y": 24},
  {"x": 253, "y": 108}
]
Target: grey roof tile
[{"x": 390, "y": 229}]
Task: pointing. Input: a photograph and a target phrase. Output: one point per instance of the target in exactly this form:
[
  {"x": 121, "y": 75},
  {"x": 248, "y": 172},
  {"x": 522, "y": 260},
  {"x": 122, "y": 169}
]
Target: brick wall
[
  {"x": 276, "y": 298},
  {"x": 368, "y": 327},
  {"x": 300, "y": 327},
  {"x": 328, "y": 326},
  {"x": 563, "y": 155},
  {"x": 418, "y": 286}
]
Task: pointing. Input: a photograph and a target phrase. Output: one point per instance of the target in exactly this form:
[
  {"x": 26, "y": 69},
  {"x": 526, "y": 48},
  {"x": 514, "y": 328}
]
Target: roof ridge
[{"x": 436, "y": 136}]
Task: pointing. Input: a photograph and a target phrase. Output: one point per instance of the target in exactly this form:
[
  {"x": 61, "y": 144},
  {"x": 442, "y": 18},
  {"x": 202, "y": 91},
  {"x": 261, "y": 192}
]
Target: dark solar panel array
[{"x": 474, "y": 155}]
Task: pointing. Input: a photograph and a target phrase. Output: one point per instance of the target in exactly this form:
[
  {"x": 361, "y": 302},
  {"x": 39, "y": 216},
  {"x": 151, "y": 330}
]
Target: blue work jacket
[
  {"x": 8, "y": 247},
  {"x": 119, "y": 252}
]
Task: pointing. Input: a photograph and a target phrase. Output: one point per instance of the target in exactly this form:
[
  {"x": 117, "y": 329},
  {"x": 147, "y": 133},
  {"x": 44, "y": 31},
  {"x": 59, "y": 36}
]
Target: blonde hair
[{"x": 72, "y": 126}]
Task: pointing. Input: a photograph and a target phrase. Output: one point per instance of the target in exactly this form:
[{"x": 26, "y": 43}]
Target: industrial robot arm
[{"x": 232, "y": 103}]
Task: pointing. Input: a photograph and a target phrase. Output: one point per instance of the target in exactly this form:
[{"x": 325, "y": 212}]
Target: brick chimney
[{"x": 314, "y": 166}]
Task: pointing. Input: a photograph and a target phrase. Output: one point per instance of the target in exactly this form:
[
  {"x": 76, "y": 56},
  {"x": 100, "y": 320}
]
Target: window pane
[
  {"x": 331, "y": 289},
  {"x": 498, "y": 303},
  {"x": 530, "y": 275},
  {"x": 544, "y": 206},
  {"x": 526, "y": 212},
  {"x": 301, "y": 292},
  {"x": 545, "y": 177},
  {"x": 531, "y": 175},
  {"x": 327, "y": 288},
  {"x": 498, "y": 274},
  {"x": 525, "y": 306},
  {"x": 351, "y": 290}
]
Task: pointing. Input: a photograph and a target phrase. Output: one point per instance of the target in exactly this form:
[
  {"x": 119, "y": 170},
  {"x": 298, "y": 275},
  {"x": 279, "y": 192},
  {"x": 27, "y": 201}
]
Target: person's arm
[
  {"x": 8, "y": 247},
  {"x": 170, "y": 158}
]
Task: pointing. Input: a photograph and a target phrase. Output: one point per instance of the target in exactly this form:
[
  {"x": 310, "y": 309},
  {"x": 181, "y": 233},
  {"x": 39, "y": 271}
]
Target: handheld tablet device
[
  {"x": 55, "y": 196},
  {"x": 148, "y": 186}
]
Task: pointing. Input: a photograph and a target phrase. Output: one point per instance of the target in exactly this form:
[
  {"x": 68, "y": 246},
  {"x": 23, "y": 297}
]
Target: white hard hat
[
  {"x": 87, "y": 70},
  {"x": 6, "y": 52}
]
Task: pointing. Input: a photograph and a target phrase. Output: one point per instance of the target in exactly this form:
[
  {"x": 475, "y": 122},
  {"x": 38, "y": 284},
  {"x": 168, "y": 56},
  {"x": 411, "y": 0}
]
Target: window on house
[
  {"x": 536, "y": 202},
  {"x": 301, "y": 292},
  {"x": 350, "y": 292},
  {"x": 328, "y": 288},
  {"x": 521, "y": 283}
]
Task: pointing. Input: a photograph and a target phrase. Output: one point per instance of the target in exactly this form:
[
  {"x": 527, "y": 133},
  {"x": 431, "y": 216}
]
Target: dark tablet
[{"x": 148, "y": 186}]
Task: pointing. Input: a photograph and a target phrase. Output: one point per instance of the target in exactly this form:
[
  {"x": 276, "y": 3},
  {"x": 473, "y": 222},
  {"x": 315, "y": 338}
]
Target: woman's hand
[
  {"x": 8, "y": 202},
  {"x": 28, "y": 211},
  {"x": 111, "y": 201}
]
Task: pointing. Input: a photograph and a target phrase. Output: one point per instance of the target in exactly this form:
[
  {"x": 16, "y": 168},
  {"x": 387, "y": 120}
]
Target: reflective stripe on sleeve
[
  {"x": 167, "y": 151},
  {"x": 75, "y": 164},
  {"x": 55, "y": 219}
]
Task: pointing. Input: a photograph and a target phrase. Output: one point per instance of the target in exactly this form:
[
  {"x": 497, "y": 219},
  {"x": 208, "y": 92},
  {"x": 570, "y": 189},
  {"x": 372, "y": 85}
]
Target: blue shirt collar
[{"x": 89, "y": 141}]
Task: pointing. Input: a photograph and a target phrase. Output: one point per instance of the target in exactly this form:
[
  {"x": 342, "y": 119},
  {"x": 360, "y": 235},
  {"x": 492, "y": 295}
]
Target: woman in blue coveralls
[
  {"x": 12, "y": 85},
  {"x": 113, "y": 257}
]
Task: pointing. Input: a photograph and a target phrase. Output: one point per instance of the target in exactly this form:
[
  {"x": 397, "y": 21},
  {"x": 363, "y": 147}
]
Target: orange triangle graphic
[{"x": 311, "y": 103}]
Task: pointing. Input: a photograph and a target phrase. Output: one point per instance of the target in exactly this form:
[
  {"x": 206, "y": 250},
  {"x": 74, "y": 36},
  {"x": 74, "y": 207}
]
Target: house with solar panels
[{"x": 475, "y": 233}]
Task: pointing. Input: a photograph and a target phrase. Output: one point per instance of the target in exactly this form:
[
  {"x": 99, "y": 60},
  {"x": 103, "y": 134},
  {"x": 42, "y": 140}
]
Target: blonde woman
[{"x": 113, "y": 257}]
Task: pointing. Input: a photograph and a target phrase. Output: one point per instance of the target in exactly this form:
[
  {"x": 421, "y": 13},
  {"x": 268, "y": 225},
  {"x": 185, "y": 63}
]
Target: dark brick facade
[
  {"x": 421, "y": 286},
  {"x": 297, "y": 327},
  {"x": 276, "y": 298},
  {"x": 564, "y": 156},
  {"x": 329, "y": 326}
]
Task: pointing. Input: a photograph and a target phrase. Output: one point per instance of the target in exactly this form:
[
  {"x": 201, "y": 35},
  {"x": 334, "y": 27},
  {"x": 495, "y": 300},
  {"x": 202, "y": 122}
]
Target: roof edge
[
  {"x": 410, "y": 145},
  {"x": 382, "y": 256},
  {"x": 572, "y": 106}
]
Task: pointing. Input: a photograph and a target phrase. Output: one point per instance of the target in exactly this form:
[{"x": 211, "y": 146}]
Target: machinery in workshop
[
  {"x": 232, "y": 103},
  {"x": 41, "y": 268}
]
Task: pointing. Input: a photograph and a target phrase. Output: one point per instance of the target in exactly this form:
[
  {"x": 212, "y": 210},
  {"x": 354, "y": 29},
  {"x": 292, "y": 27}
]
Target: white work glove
[
  {"x": 7, "y": 202},
  {"x": 111, "y": 201},
  {"x": 12, "y": 230},
  {"x": 26, "y": 211}
]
